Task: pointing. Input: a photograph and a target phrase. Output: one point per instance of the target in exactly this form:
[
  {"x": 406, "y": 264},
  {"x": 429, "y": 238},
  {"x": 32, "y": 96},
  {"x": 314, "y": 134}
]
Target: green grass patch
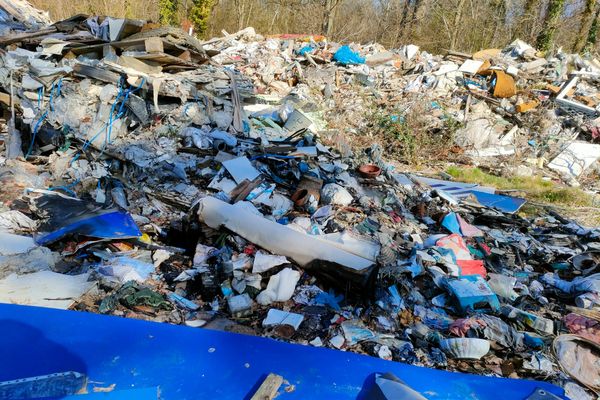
[{"x": 535, "y": 188}]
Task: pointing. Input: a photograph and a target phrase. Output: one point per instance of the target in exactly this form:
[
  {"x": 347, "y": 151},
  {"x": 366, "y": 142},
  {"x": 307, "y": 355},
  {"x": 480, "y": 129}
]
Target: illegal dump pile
[{"x": 150, "y": 175}]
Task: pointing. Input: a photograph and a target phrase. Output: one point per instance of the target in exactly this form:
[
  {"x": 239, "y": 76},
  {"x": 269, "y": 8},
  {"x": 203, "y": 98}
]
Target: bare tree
[
  {"x": 529, "y": 20},
  {"x": 587, "y": 17},
  {"x": 466, "y": 25},
  {"x": 329, "y": 7},
  {"x": 592, "y": 36},
  {"x": 545, "y": 39},
  {"x": 457, "y": 23}
]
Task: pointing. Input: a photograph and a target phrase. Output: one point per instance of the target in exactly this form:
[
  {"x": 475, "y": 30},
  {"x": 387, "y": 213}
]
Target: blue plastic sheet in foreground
[{"x": 193, "y": 363}]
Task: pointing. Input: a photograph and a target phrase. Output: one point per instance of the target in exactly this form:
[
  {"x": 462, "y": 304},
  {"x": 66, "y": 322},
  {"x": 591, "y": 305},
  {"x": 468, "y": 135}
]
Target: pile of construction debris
[{"x": 149, "y": 175}]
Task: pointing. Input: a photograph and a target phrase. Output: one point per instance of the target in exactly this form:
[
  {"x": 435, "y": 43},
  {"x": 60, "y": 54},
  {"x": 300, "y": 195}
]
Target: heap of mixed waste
[{"x": 214, "y": 184}]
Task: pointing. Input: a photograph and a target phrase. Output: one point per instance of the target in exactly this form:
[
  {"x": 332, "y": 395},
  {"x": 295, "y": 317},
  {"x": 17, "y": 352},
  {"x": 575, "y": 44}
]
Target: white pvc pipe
[{"x": 275, "y": 237}]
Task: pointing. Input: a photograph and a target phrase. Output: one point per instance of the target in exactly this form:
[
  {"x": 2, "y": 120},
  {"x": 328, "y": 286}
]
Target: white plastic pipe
[{"x": 275, "y": 237}]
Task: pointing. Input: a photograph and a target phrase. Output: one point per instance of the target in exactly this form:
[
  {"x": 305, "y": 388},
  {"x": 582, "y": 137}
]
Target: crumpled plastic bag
[
  {"x": 345, "y": 55},
  {"x": 491, "y": 328},
  {"x": 264, "y": 262},
  {"x": 204, "y": 140},
  {"x": 281, "y": 287},
  {"x": 583, "y": 326},
  {"x": 580, "y": 358},
  {"x": 126, "y": 269},
  {"x": 332, "y": 193}
]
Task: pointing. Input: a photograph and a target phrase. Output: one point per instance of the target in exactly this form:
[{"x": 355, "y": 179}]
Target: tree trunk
[
  {"x": 499, "y": 7},
  {"x": 545, "y": 40},
  {"x": 529, "y": 20},
  {"x": 415, "y": 14},
  {"x": 248, "y": 15},
  {"x": 404, "y": 19},
  {"x": 416, "y": 10},
  {"x": 456, "y": 25},
  {"x": 586, "y": 22},
  {"x": 239, "y": 7},
  {"x": 328, "y": 14},
  {"x": 274, "y": 18},
  {"x": 593, "y": 33},
  {"x": 383, "y": 19}
]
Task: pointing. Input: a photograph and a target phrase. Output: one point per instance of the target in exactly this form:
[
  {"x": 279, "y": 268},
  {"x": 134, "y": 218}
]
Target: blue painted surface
[
  {"x": 192, "y": 363},
  {"x": 110, "y": 225},
  {"x": 484, "y": 195},
  {"x": 129, "y": 394},
  {"x": 507, "y": 204}
]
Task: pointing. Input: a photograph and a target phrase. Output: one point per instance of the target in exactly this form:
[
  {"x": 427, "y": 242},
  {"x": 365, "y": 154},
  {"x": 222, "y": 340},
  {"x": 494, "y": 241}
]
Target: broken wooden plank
[
  {"x": 482, "y": 96},
  {"x": 5, "y": 40},
  {"x": 268, "y": 389},
  {"x": 185, "y": 56},
  {"x": 154, "y": 45},
  {"x": 108, "y": 50},
  {"x": 102, "y": 74},
  {"x": 227, "y": 37},
  {"x": 241, "y": 191},
  {"x": 467, "y": 106},
  {"x": 5, "y": 99},
  {"x": 147, "y": 67},
  {"x": 163, "y": 58},
  {"x": 138, "y": 45},
  {"x": 458, "y": 54}
]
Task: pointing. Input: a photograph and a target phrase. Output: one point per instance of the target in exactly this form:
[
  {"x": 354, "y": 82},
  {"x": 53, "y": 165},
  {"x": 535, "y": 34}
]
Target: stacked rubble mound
[{"x": 150, "y": 175}]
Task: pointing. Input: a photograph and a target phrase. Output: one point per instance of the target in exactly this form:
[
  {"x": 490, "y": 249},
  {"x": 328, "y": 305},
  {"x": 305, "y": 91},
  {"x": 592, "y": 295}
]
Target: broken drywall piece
[
  {"x": 44, "y": 289},
  {"x": 471, "y": 66},
  {"x": 15, "y": 244},
  {"x": 575, "y": 158},
  {"x": 240, "y": 168}
]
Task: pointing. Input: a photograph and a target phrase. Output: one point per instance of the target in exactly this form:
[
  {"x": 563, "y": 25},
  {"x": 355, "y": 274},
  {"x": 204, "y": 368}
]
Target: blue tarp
[
  {"x": 306, "y": 49},
  {"x": 193, "y": 363},
  {"x": 507, "y": 204},
  {"x": 484, "y": 195},
  {"x": 345, "y": 55},
  {"x": 129, "y": 394},
  {"x": 451, "y": 223},
  {"x": 108, "y": 225}
]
